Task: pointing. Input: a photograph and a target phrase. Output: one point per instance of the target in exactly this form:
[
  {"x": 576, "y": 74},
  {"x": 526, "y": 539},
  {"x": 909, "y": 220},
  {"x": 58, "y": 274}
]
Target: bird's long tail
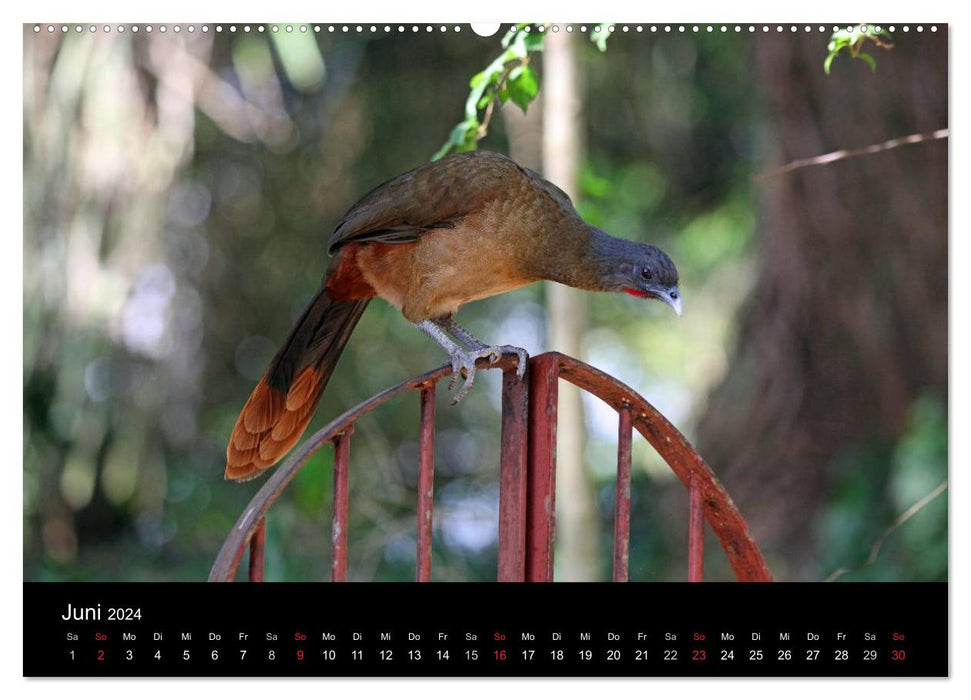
[{"x": 282, "y": 404}]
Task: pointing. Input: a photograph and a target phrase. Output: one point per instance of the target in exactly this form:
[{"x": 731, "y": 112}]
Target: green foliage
[
  {"x": 599, "y": 36},
  {"x": 853, "y": 40},
  {"x": 877, "y": 485},
  {"x": 523, "y": 86},
  {"x": 508, "y": 77}
]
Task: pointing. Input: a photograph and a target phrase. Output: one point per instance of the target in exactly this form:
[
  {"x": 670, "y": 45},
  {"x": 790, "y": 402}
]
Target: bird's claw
[
  {"x": 523, "y": 359},
  {"x": 463, "y": 364}
]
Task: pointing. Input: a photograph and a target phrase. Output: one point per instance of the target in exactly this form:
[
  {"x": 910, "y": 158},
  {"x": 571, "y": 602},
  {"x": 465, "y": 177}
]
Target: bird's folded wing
[{"x": 436, "y": 195}]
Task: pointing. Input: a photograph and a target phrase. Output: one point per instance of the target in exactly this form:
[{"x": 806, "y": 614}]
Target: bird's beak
[{"x": 670, "y": 296}]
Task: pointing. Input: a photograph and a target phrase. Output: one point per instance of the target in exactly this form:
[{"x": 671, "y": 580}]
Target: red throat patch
[{"x": 637, "y": 293}]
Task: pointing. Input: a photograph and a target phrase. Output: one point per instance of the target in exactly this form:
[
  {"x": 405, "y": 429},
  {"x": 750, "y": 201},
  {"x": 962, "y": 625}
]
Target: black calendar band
[{"x": 437, "y": 629}]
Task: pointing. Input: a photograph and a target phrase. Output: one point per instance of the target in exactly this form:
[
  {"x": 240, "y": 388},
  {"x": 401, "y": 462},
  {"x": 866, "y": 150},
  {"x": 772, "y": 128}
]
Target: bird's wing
[
  {"x": 435, "y": 195},
  {"x": 551, "y": 190}
]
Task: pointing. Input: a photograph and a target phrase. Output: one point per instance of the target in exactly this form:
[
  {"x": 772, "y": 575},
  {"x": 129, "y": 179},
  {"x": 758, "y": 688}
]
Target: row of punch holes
[{"x": 414, "y": 28}]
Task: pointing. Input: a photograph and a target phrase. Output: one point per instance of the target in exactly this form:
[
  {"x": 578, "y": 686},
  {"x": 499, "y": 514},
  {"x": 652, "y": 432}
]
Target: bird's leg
[
  {"x": 456, "y": 331},
  {"x": 462, "y": 359},
  {"x": 495, "y": 352}
]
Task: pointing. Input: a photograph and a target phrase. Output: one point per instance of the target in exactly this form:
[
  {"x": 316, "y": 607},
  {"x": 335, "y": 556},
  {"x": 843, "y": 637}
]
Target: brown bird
[{"x": 468, "y": 226}]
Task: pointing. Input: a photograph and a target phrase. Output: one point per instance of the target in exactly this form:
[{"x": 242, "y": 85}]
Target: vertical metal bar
[
  {"x": 622, "y": 499},
  {"x": 512, "y": 478},
  {"x": 257, "y": 549},
  {"x": 426, "y": 483},
  {"x": 541, "y": 479},
  {"x": 696, "y": 533},
  {"x": 342, "y": 450}
]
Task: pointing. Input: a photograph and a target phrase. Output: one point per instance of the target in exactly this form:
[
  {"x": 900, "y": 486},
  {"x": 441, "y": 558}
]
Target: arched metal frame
[{"x": 527, "y": 478}]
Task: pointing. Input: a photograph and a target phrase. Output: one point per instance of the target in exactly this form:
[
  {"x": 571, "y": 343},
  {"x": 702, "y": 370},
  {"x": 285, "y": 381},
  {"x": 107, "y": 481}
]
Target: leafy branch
[
  {"x": 599, "y": 36},
  {"x": 853, "y": 41},
  {"x": 508, "y": 77}
]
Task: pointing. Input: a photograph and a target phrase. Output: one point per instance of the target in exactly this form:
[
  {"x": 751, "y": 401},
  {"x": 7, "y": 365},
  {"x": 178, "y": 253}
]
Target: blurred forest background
[{"x": 179, "y": 191}]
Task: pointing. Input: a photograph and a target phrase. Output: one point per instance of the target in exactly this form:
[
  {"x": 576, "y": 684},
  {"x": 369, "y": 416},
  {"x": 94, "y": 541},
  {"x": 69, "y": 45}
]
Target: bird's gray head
[{"x": 638, "y": 269}]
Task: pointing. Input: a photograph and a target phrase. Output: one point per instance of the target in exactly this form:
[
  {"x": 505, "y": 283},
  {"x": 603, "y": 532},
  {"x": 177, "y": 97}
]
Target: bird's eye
[{"x": 646, "y": 274}]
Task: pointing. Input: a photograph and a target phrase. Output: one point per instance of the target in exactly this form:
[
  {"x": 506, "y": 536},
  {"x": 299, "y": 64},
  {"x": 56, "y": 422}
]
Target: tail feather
[
  {"x": 283, "y": 403},
  {"x": 262, "y": 409},
  {"x": 301, "y": 391}
]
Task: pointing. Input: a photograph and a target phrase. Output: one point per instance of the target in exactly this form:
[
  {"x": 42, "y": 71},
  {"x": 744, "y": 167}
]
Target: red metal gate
[{"x": 527, "y": 478}]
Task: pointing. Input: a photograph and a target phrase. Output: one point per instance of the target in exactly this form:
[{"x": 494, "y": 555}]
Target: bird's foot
[
  {"x": 519, "y": 353},
  {"x": 463, "y": 364}
]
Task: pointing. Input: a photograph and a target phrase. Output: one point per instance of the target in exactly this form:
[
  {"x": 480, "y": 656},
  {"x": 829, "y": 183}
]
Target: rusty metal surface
[
  {"x": 696, "y": 534},
  {"x": 541, "y": 477},
  {"x": 511, "y": 565},
  {"x": 230, "y": 564},
  {"x": 338, "y": 529},
  {"x": 231, "y": 554},
  {"x": 257, "y": 550},
  {"x": 426, "y": 483},
  {"x": 534, "y": 560},
  {"x": 719, "y": 509},
  {"x": 622, "y": 496}
]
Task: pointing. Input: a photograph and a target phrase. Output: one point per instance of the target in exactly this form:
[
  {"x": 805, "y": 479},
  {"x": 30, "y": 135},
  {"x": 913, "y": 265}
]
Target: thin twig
[
  {"x": 904, "y": 517},
  {"x": 852, "y": 152},
  {"x": 490, "y": 108}
]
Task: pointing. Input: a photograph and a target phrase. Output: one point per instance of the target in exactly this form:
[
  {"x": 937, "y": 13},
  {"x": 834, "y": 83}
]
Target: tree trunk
[
  {"x": 576, "y": 508},
  {"x": 847, "y": 320}
]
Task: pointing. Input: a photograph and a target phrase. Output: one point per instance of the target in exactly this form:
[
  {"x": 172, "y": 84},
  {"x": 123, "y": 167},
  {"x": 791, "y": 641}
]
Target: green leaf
[
  {"x": 870, "y": 60},
  {"x": 472, "y": 103},
  {"x": 518, "y": 47},
  {"x": 513, "y": 30},
  {"x": 839, "y": 41},
  {"x": 600, "y": 37},
  {"x": 461, "y": 138},
  {"x": 854, "y": 42},
  {"x": 524, "y": 87},
  {"x": 533, "y": 42}
]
